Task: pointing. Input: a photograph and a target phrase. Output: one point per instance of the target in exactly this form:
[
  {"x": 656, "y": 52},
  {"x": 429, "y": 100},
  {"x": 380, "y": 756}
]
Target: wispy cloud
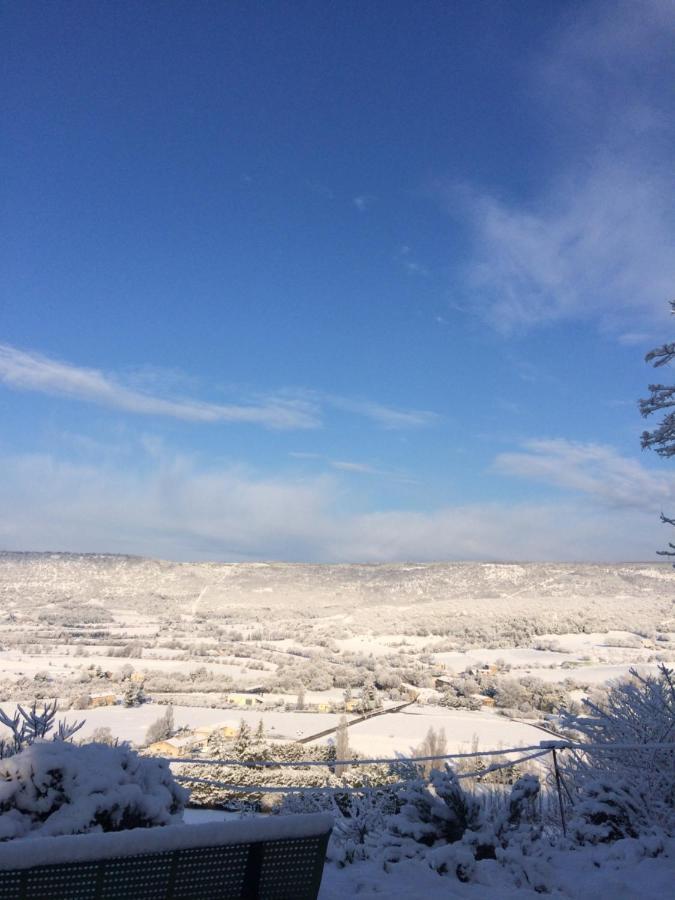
[
  {"x": 34, "y": 372},
  {"x": 595, "y": 470},
  {"x": 343, "y": 465},
  {"x": 600, "y": 248},
  {"x": 597, "y": 244},
  {"x": 363, "y": 202},
  {"x": 354, "y": 467},
  {"x": 30, "y": 371},
  {"x": 386, "y": 416},
  {"x": 411, "y": 265}
]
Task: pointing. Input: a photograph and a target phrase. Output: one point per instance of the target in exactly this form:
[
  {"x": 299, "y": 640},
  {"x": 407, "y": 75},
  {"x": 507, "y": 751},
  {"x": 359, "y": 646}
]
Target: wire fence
[
  {"x": 545, "y": 746},
  {"x": 532, "y": 752}
]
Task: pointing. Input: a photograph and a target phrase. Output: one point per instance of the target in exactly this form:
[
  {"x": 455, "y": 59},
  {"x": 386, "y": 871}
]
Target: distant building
[
  {"x": 175, "y": 746},
  {"x": 228, "y": 729},
  {"x": 245, "y": 699},
  {"x": 102, "y": 700}
]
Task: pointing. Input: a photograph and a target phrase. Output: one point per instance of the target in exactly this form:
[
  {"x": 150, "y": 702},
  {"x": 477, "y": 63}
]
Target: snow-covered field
[
  {"x": 202, "y": 631},
  {"x": 381, "y": 736}
]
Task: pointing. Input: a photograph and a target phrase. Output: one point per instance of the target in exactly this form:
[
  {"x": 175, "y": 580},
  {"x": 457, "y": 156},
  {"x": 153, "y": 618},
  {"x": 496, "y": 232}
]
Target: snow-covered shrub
[
  {"x": 609, "y": 811},
  {"x": 360, "y": 819},
  {"x": 522, "y": 803},
  {"x": 55, "y": 787},
  {"x": 438, "y": 810},
  {"x": 509, "y": 838},
  {"x": 249, "y": 746},
  {"x": 638, "y": 711}
]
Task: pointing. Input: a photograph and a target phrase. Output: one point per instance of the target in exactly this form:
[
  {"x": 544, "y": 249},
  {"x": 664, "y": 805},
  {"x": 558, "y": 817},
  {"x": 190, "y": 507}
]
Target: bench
[{"x": 262, "y": 858}]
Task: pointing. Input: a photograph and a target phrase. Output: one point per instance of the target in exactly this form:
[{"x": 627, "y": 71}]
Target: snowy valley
[{"x": 263, "y": 662}]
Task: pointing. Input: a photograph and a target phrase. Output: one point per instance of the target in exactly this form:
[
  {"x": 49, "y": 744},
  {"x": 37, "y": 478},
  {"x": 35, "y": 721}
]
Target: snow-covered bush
[
  {"x": 639, "y": 711},
  {"x": 360, "y": 819},
  {"x": 521, "y": 809},
  {"x": 609, "y": 811},
  {"x": 437, "y": 810},
  {"x": 451, "y": 829},
  {"x": 55, "y": 787},
  {"x": 248, "y": 746}
]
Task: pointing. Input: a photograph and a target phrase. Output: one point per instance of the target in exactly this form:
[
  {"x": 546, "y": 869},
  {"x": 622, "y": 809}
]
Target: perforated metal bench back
[{"x": 287, "y": 869}]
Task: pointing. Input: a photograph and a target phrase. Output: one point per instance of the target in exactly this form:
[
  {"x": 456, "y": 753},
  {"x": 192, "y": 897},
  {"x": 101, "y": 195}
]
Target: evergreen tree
[
  {"x": 242, "y": 741},
  {"x": 370, "y": 698},
  {"x": 134, "y": 695},
  {"x": 662, "y": 397},
  {"x": 162, "y": 728}
]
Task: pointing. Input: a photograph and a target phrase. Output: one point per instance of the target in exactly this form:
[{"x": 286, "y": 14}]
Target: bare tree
[{"x": 434, "y": 744}]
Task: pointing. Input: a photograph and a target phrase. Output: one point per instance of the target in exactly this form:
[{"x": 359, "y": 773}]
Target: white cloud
[
  {"x": 29, "y": 371},
  {"x": 34, "y": 372},
  {"x": 606, "y": 65},
  {"x": 411, "y": 265},
  {"x": 595, "y": 470},
  {"x": 363, "y": 202},
  {"x": 386, "y": 416},
  {"x": 415, "y": 268},
  {"x": 354, "y": 467},
  {"x": 597, "y": 244},
  {"x": 343, "y": 465},
  {"x": 170, "y": 507}
]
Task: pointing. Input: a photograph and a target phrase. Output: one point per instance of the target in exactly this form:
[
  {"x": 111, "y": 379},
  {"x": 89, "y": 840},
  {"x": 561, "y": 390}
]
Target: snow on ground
[
  {"x": 595, "y": 675},
  {"x": 583, "y": 874},
  {"x": 382, "y": 644},
  {"x": 404, "y": 731},
  {"x": 14, "y": 663},
  {"x": 457, "y": 662},
  {"x": 593, "y": 641},
  {"x": 384, "y": 735},
  {"x": 131, "y": 724},
  {"x": 572, "y": 874}
]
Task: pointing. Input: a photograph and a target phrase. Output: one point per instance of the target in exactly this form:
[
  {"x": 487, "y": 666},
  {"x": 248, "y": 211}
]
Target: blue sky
[{"x": 357, "y": 281}]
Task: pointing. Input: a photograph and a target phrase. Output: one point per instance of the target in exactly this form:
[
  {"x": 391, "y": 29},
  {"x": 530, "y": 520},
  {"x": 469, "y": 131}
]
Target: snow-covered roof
[{"x": 208, "y": 729}]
